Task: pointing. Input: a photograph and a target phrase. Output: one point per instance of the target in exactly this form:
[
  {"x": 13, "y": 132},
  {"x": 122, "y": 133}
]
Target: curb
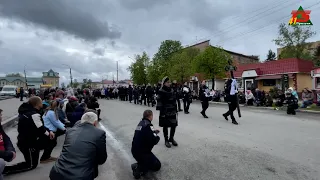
[
  {"x": 9, "y": 122},
  {"x": 268, "y": 108}
]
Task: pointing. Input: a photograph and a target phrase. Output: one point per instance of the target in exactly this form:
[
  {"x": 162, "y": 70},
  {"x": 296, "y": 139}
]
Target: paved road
[
  {"x": 266, "y": 145},
  {"x": 10, "y": 107},
  {"x": 5, "y": 97}
]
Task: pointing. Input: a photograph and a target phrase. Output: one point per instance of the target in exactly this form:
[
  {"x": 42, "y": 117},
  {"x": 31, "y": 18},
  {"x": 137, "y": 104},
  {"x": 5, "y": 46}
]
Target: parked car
[{"x": 8, "y": 90}]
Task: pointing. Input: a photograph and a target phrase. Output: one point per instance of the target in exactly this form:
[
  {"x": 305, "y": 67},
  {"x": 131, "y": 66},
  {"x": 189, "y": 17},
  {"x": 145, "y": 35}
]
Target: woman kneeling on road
[{"x": 52, "y": 122}]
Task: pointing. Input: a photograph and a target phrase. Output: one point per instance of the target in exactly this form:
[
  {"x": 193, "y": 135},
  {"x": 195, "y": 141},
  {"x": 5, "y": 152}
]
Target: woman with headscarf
[{"x": 168, "y": 118}]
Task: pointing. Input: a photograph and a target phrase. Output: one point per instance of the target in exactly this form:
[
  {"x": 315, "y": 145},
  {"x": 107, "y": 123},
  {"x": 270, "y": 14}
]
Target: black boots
[
  {"x": 204, "y": 114},
  {"x": 136, "y": 171},
  {"x": 168, "y": 141},
  {"x": 173, "y": 142}
]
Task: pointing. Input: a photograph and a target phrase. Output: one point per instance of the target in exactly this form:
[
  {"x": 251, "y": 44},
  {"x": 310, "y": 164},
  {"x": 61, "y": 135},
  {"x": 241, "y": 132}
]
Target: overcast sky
[{"x": 90, "y": 36}]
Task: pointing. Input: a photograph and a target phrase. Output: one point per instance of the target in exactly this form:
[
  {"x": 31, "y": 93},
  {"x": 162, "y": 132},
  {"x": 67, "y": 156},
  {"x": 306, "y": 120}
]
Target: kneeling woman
[
  {"x": 167, "y": 105},
  {"x": 52, "y": 123}
]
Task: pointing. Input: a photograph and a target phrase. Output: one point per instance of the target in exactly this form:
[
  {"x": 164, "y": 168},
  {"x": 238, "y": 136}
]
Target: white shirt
[{"x": 234, "y": 87}]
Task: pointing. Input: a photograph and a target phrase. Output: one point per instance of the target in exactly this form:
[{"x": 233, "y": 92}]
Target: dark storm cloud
[
  {"x": 142, "y": 4},
  {"x": 99, "y": 51},
  {"x": 50, "y": 56},
  {"x": 60, "y": 15}
]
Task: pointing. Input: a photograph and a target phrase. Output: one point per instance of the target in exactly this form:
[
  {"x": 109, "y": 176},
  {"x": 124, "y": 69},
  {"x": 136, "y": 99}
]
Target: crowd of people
[
  {"x": 48, "y": 114},
  {"x": 42, "y": 120}
]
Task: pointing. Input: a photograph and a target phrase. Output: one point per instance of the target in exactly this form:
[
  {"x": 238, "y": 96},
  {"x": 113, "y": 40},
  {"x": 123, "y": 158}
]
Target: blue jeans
[{"x": 306, "y": 104}]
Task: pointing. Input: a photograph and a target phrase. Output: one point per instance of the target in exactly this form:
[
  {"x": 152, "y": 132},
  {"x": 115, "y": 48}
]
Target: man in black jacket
[
  {"x": 145, "y": 137},
  {"x": 7, "y": 151},
  {"x": 31, "y": 133},
  {"x": 84, "y": 149},
  {"x": 203, "y": 95},
  {"x": 149, "y": 94}
]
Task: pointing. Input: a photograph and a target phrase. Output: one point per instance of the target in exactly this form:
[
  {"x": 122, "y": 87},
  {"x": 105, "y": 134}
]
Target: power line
[
  {"x": 249, "y": 13},
  {"x": 260, "y": 28},
  {"x": 253, "y": 18}
]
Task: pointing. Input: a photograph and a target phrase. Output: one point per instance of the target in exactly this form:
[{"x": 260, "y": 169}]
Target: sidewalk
[
  {"x": 306, "y": 110},
  {"x": 10, "y": 111}
]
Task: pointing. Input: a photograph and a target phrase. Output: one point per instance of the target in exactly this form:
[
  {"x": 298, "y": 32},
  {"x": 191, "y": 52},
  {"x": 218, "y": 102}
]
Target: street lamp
[
  {"x": 70, "y": 73},
  {"x": 25, "y": 76}
]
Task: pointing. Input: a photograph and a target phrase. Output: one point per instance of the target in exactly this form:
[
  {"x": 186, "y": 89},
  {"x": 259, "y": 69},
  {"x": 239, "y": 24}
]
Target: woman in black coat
[{"x": 168, "y": 118}]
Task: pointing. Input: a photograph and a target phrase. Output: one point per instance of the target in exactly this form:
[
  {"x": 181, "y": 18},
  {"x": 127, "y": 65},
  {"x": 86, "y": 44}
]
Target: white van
[{"x": 8, "y": 90}]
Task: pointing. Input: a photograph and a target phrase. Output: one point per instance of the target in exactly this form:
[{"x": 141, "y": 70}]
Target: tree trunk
[{"x": 213, "y": 83}]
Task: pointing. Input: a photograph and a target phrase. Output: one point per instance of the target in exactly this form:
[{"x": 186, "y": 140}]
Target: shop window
[
  {"x": 317, "y": 82},
  {"x": 269, "y": 82},
  {"x": 240, "y": 83}
]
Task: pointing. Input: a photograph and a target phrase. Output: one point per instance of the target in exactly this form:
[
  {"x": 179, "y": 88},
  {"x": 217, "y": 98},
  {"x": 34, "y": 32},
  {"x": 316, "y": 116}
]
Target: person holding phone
[{"x": 145, "y": 137}]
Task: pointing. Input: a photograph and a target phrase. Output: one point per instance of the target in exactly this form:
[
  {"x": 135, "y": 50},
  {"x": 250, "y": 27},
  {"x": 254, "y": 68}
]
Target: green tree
[
  {"x": 271, "y": 56},
  {"x": 85, "y": 81},
  {"x": 14, "y": 75},
  {"x": 292, "y": 40},
  {"x": 211, "y": 62},
  {"x": 138, "y": 69},
  {"x": 316, "y": 57},
  {"x": 63, "y": 85},
  {"x": 164, "y": 54},
  {"x": 153, "y": 72},
  {"x": 181, "y": 64},
  {"x": 75, "y": 84}
]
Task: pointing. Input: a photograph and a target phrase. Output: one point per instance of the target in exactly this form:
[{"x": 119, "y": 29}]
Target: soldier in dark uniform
[
  {"x": 145, "y": 137},
  {"x": 186, "y": 92},
  {"x": 231, "y": 92},
  {"x": 136, "y": 94},
  {"x": 168, "y": 116},
  {"x": 130, "y": 93},
  {"x": 203, "y": 98},
  {"x": 143, "y": 95},
  {"x": 149, "y": 94},
  {"x": 292, "y": 103},
  {"x": 176, "y": 91}
]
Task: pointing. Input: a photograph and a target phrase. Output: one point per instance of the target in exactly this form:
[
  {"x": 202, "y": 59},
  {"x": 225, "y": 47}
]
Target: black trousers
[
  {"x": 172, "y": 132},
  {"x": 149, "y": 99},
  {"x": 186, "y": 105},
  {"x": 130, "y": 98},
  {"x": 291, "y": 110},
  {"x": 31, "y": 156},
  {"x": 179, "y": 104},
  {"x": 232, "y": 106},
  {"x": 147, "y": 162},
  {"x": 205, "y": 105}
]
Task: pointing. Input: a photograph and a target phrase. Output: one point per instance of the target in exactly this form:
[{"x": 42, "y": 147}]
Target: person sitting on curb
[{"x": 7, "y": 151}]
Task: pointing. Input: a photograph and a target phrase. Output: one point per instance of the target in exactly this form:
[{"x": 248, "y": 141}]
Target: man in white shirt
[{"x": 231, "y": 92}]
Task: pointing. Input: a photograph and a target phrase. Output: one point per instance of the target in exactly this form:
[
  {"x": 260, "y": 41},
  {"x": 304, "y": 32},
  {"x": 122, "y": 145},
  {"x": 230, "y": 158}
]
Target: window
[
  {"x": 269, "y": 82},
  {"x": 51, "y": 74},
  {"x": 240, "y": 83},
  {"x": 317, "y": 82}
]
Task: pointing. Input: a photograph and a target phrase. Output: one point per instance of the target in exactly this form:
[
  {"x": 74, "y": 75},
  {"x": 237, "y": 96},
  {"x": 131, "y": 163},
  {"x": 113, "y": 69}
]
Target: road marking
[{"x": 116, "y": 144}]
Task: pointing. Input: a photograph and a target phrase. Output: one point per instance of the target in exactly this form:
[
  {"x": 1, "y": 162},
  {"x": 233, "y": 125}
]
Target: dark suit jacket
[{"x": 83, "y": 150}]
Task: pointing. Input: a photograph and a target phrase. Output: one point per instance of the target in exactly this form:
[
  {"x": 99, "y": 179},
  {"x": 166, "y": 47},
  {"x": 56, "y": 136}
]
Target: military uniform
[{"x": 144, "y": 139}]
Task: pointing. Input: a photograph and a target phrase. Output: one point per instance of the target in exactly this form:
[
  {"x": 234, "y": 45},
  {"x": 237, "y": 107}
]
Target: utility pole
[
  {"x": 117, "y": 71},
  {"x": 70, "y": 77},
  {"x": 25, "y": 76}
]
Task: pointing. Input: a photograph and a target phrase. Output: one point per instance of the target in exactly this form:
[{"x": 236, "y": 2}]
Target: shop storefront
[{"x": 315, "y": 74}]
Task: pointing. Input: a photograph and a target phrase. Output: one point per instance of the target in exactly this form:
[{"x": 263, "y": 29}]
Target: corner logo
[{"x": 300, "y": 17}]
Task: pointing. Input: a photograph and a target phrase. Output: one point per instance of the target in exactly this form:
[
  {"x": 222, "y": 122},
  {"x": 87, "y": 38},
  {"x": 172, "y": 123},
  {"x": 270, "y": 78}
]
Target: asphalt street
[{"x": 266, "y": 145}]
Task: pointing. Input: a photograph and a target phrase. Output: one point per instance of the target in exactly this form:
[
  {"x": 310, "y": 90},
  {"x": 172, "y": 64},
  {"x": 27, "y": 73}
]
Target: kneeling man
[{"x": 145, "y": 137}]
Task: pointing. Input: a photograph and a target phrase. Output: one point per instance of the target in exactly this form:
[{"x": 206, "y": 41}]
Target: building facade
[
  {"x": 238, "y": 59},
  {"x": 51, "y": 78},
  {"x": 33, "y": 82},
  {"x": 268, "y": 75},
  {"x": 311, "y": 49}
]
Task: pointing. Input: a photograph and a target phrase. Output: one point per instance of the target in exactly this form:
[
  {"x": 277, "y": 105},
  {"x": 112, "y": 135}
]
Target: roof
[
  {"x": 230, "y": 52},
  {"x": 55, "y": 74},
  {"x": 29, "y": 79},
  {"x": 282, "y": 66}
]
